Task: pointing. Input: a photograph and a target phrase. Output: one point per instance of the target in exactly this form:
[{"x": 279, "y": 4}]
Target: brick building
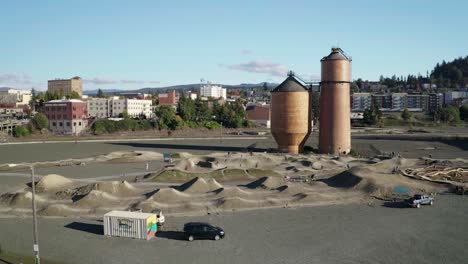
[
  {"x": 64, "y": 87},
  {"x": 169, "y": 98},
  {"x": 259, "y": 114},
  {"x": 66, "y": 116}
]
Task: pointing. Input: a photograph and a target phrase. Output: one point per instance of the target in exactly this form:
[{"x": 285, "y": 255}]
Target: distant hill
[
  {"x": 107, "y": 91},
  {"x": 182, "y": 87},
  {"x": 452, "y": 74}
]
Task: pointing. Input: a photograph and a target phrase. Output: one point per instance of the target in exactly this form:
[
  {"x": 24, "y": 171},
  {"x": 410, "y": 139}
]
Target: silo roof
[
  {"x": 336, "y": 54},
  {"x": 291, "y": 84}
]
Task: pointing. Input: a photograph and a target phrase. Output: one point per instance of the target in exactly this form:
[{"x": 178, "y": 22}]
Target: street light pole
[
  {"x": 36, "y": 237},
  {"x": 33, "y": 188}
]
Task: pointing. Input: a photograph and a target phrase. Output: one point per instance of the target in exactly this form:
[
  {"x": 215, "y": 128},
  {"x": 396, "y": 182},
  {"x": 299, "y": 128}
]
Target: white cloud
[
  {"x": 100, "y": 80},
  {"x": 12, "y": 78},
  {"x": 274, "y": 69},
  {"x": 132, "y": 81},
  {"x": 105, "y": 80}
]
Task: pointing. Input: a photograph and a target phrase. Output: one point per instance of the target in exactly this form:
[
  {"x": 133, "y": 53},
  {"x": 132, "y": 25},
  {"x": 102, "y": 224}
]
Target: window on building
[
  {"x": 60, "y": 124},
  {"x": 74, "y": 123},
  {"x": 54, "y": 124},
  {"x": 74, "y": 116},
  {"x": 64, "y": 116},
  {"x": 79, "y": 123},
  {"x": 68, "y": 124}
]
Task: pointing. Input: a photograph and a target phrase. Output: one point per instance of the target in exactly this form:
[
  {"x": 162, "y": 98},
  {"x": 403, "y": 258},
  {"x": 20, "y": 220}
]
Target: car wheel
[
  {"x": 418, "y": 205},
  {"x": 190, "y": 238},
  {"x": 217, "y": 237},
  {"x": 431, "y": 203}
]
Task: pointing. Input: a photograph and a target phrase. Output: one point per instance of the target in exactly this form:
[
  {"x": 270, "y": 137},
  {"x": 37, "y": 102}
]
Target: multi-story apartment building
[
  {"x": 453, "y": 95},
  {"x": 361, "y": 101},
  {"x": 15, "y": 97},
  {"x": 64, "y": 87},
  {"x": 436, "y": 100},
  {"x": 417, "y": 102},
  {"x": 66, "y": 116},
  {"x": 99, "y": 107},
  {"x": 138, "y": 108},
  {"x": 214, "y": 91},
  {"x": 398, "y": 101},
  {"x": 384, "y": 101}
]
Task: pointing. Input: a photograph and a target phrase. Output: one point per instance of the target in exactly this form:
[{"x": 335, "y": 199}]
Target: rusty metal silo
[
  {"x": 290, "y": 115},
  {"x": 335, "y": 124}
]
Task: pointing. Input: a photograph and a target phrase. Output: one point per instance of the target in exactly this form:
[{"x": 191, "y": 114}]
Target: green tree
[
  {"x": 372, "y": 116},
  {"x": 74, "y": 95},
  {"x": 406, "y": 115},
  {"x": 202, "y": 112},
  {"x": 124, "y": 114},
  {"x": 100, "y": 94},
  {"x": 464, "y": 112},
  {"x": 187, "y": 109},
  {"x": 315, "y": 106},
  {"x": 21, "y": 131},
  {"x": 40, "y": 121},
  {"x": 166, "y": 117}
]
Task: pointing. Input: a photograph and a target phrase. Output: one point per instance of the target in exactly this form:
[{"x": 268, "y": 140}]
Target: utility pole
[{"x": 36, "y": 237}]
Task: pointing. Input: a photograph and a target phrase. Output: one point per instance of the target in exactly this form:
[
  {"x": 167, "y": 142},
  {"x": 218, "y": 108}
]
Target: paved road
[{"x": 330, "y": 234}]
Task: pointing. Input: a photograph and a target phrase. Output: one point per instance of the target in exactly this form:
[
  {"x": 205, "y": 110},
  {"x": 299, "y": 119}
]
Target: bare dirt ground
[
  {"x": 354, "y": 233},
  {"x": 344, "y": 183}
]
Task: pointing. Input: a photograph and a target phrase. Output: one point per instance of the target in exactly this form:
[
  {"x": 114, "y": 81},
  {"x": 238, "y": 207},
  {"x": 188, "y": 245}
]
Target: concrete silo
[
  {"x": 290, "y": 115},
  {"x": 335, "y": 124}
]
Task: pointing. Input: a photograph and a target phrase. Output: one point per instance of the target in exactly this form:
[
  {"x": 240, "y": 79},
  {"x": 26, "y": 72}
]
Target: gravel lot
[
  {"x": 59, "y": 151},
  {"x": 331, "y": 234}
]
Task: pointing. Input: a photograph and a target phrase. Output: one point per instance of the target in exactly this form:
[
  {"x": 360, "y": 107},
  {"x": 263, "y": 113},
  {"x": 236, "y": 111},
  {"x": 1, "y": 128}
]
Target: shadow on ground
[
  {"x": 97, "y": 229},
  {"x": 190, "y": 147},
  {"x": 459, "y": 142},
  {"x": 174, "y": 235},
  {"x": 397, "y": 204}
]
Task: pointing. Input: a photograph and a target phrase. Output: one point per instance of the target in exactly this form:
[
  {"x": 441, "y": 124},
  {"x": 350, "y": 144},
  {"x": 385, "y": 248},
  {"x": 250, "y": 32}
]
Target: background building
[
  {"x": 169, "y": 98},
  {"x": 64, "y": 87},
  {"x": 99, "y": 107},
  {"x": 66, "y": 116},
  {"x": 361, "y": 101},
  {"x": 215, "y": 91},
  {"x": 259, "y": 114},
  {"x": 15, "y": 97}
]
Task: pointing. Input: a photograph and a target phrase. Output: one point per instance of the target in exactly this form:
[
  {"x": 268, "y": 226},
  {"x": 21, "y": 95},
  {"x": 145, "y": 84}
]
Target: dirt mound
[
  {"x": 19, "y": 199},
  {"x": 292, "y": 188},
  {"x": 198, "y": 185},
  {"x": 168, "y": 195},
  {"x": 63, "y": 210},
  {"x": 95, "y": 199},
  {"x": 377, "y": 182},
  {"x": 232, "y": 191},
  {"x": 266, "y": 183},
  {"x": 236, "y": 203},
  {"x": 52, "y": 182},
  {"x": 117, "y": 188}
]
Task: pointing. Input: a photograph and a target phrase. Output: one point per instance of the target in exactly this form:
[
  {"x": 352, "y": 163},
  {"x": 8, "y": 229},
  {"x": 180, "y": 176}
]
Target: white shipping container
[{"x": 130, "y": 224}]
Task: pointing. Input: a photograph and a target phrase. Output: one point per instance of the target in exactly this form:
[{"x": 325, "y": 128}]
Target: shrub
[
  {"x": 40, "y": 121},
  {"x": 21, "y": 131},
  {"x": 211, "y": 125}
]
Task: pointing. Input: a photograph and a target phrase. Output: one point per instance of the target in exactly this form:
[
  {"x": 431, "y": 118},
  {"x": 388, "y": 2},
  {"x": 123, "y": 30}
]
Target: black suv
[{"x": 203, "y": 231}]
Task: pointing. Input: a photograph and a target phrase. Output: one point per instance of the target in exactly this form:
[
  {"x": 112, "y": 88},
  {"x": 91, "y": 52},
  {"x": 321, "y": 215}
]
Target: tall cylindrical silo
[
  {"x": 290, "y": 115},
  {"x": 335, "y": 119}
]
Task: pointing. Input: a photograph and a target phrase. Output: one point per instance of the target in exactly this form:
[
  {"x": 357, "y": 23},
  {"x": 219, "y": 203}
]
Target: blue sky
[{"x": 135, "y": 44}]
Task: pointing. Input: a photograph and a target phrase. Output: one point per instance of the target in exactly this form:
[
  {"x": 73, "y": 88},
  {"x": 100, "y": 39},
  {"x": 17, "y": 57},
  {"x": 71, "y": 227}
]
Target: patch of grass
[
  {"x": 175, "y": 155},
  {"x": 10, "y": 257},
  {"x": 234, "y": 173},
  {"x": 262, "y": 173}
]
